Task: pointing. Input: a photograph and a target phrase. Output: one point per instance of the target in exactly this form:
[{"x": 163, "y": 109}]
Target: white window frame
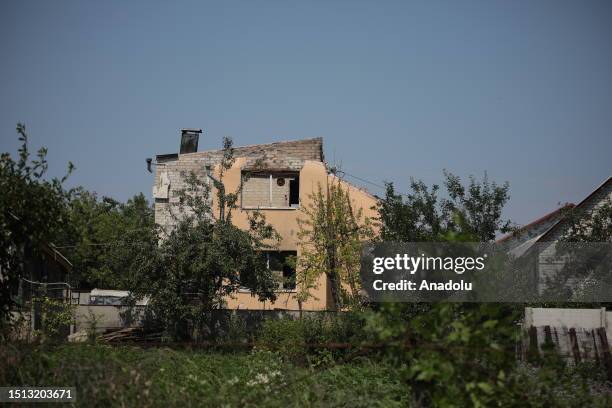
[{"x": 268, "y": 207}]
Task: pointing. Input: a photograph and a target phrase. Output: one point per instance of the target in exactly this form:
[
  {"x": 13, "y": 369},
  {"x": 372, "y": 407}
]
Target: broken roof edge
[
  {"x": 263, "y": 145},
  {"x": 319, "y": 140}
]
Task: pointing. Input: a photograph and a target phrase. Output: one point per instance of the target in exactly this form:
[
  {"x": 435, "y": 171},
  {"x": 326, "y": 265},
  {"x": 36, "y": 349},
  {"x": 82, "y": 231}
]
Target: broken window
[
  {"x": 271, "y": 190},
  {"x": 107, "y": 300},
  {"x": 282, "y": 264}
]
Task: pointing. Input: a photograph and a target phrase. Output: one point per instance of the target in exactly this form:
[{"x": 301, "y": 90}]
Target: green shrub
[
  {"x": 311, "y": 338},
  {"x": 284, "y": 335},
  {"x": 464, "y": 355},
  {"x": 55, "y": 318}
]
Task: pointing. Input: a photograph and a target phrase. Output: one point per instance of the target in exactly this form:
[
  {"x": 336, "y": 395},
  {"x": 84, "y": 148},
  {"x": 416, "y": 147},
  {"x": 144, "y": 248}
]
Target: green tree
[
  {"x": 588, "y": 226},
  {"x": 415, "y": 217},
  {"x": 454, "y": 354},
  {"x": 32, "y": 213},
  {"x": 331, "y": 233},
  {"x": 203, "y": 258},
  {"x": 100, "y": 236},
  {"x": 472, "y": 212},
  {"x": 480, "y": 204}
]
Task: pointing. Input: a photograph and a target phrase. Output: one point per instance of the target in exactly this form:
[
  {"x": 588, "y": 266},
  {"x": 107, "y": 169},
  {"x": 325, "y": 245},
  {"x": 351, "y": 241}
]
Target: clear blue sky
[{"x": 521, "y": 89}]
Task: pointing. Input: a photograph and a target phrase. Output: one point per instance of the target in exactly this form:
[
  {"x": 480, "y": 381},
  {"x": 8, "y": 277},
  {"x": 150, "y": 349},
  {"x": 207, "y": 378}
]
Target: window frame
[
  {"x": 272, "y": 175},
  {"x": 281, "y": 288}
]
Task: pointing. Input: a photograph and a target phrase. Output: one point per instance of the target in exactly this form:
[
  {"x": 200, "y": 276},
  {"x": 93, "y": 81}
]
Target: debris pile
[{"x": 128, "y": 334}]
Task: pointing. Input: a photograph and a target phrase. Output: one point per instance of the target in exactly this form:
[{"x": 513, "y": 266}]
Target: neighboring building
[
  {"x": 547, "y": 241},
  {"x": 282, "y": 177},
  {"x": 46, "y": 268},
  {"x": 542, "y": 235},
  {"x": 104, "y": 309},
  {"x": 46, "y": 272},
  {"x": 522, "y": 239}
]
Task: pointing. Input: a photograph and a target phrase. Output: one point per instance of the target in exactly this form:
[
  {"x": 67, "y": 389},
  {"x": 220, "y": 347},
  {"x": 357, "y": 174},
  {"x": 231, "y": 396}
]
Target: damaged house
[{"x": 281, "y": 178}]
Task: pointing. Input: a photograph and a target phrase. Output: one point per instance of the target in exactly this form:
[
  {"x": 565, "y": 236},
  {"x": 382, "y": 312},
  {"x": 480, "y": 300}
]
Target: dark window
[
  {"x": 107, "y": 300},
  {"x": 294, "y": 192},
  {"x": 282, "y": 263}
]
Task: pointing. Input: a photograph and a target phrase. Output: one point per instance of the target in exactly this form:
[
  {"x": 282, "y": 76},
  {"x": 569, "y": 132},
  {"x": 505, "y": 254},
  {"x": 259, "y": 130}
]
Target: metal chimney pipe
[{"x": 189, "y": 140}]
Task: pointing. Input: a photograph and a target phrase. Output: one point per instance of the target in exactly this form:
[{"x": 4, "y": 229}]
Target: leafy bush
[
  {"x": 299, "y": 340},
  {"x": 454, "y": 354},
  {"x": 55, "y": 317},
  {"x": 463, "y": 355},
  {"x": 284, "y": 335}
]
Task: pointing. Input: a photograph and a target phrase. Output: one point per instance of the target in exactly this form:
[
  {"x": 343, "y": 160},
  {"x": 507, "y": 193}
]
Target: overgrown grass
[
  {"x": 129, "y": 376},
  {"x": 163, "y": 377},
  {"x": 294, "y": 364}
]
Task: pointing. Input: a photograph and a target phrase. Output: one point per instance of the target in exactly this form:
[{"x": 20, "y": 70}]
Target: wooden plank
[
  {"x": 574, "y": 344},
  {"x": 548, "y": 342},
  {"x": 605, "y": 349},
  {"x": 596, "y": 352},
  {"x": 534, "y": 351}
]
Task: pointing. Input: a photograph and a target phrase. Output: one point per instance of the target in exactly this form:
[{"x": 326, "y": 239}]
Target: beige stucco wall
[{"x": 285, "y": 221}]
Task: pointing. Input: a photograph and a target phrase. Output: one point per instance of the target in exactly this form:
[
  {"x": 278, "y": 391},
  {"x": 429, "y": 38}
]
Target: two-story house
[{"x": 281, "y": 178}]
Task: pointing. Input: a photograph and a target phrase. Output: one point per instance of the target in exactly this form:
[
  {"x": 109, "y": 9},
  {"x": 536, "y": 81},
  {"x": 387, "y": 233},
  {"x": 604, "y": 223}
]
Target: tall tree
[
  {"x": 466, "y": 213},
  {"x": 472, "y": 212},
  {"x": 204, "y": 257},
  {"x": 331, "y": 233},
  {"x": 480, "y": 205},
  {"x": 415, "y": 217},
  {"x": 99, "y": 236},
  {"x": 32, "y": 212}
]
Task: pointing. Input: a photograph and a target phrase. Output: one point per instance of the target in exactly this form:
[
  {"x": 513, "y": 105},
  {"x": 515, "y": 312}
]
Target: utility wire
[
  {"x": 360, "y": 179},
  {"x": 369, "y": 182}
]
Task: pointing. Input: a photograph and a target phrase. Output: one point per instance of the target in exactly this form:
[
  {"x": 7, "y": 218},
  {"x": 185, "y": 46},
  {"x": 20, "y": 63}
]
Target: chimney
[{"x": 189, "y": 140}]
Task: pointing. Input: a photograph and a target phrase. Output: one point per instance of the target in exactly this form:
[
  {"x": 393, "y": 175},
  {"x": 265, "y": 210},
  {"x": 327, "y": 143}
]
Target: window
[
  {"x": 282, "y": 263},
  {"x": 271, "y": 190},
  {"x": 107, "y": 300}
]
